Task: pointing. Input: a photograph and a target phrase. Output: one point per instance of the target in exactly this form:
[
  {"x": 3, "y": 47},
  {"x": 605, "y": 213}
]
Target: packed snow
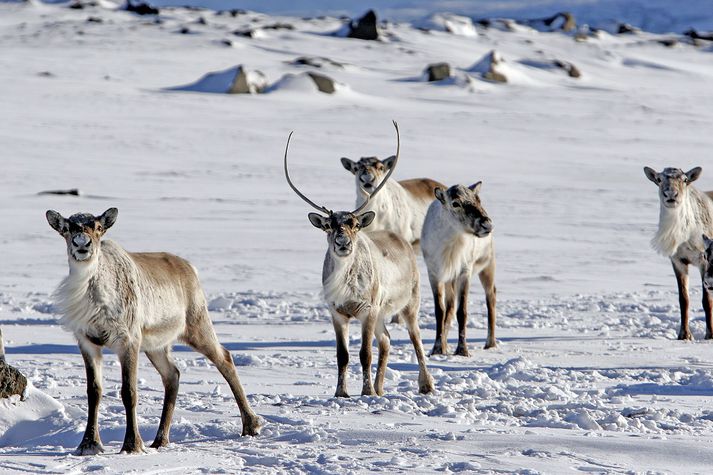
[{"x": 588, "y": 375}]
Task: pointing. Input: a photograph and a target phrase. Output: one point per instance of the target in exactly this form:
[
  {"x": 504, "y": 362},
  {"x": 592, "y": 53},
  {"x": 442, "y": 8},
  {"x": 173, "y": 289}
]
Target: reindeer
[
  {"x": 367, "y": 276},
  {"x": 401, "y": 206},
  {"x": 684, "y": 215},
  {"x": 456, "y": 241},
  {"x": 708, "y": 265},
  {"x": 132, "y": 302}
]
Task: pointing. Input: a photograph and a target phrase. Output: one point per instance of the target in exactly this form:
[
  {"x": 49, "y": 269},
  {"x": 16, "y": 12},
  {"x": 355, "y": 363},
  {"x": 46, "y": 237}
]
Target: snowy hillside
[{"x": 588, "y": 375}]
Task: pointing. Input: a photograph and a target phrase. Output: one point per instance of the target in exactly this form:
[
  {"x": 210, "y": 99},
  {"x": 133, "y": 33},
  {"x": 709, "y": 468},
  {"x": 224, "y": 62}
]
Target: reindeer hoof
[
  {"x": 685, "y": 335},
  {"x": 438, "y": 350},
  {"x": 341, "y": 393},
  {"x": 368, "y": 392},
  {"x": 91, "y": 447},
  {"x": 462, "y": 351},
  {"x": 252, "y": 426},
  {"x": 133, "y": 447},
  {"x": 490, "y": 344},
  {"x": 425, "y": 385},
  {"x": 158, "y": 443},
  {"x": 709, "y": 336}
]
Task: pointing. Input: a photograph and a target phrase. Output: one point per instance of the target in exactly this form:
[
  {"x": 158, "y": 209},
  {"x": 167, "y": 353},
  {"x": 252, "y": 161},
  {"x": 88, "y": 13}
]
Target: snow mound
[
  {"x": 450, "y": 23},
  {"x": 38, "y": 420},
  {"x": 494, "y": 68},
  {"x": 235, "y": 80},
  {"x": 307, "y": 83}
]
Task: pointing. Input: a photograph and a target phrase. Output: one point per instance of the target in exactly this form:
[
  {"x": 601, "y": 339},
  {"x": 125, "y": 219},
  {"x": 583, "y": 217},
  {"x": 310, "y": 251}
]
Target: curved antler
[
  {"x": 386, "y": 178},
  {"x": 294, "y": 188}
]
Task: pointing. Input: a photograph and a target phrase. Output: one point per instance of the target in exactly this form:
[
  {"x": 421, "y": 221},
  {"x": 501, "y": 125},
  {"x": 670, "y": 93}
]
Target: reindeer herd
[{"x": 144, "y": 302}]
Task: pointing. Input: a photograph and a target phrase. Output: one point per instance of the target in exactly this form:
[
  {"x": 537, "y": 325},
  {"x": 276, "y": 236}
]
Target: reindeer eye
[{"x": 455, "y": 204}]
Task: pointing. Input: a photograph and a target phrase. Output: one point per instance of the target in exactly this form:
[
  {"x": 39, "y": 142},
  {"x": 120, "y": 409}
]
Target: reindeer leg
[
  {"x": 680, "y": 270},
  {"x": 201, "y": 336},
  {"x": 129, "y": 360},
  {"x": 341, "y": 329},
  {"x": 162, "y": 361},
  {"x": 410, "y": 316},
  {"x": 367, "y": 336},
  {"x": 463, "y": 286},
  {"x": 707, "y": 306},
  {"x": 487, "y": 280},
  {"x": 440, "y": 345},
  {"x": 91, "y": 443},
  {"x": 384, "y": 341}
]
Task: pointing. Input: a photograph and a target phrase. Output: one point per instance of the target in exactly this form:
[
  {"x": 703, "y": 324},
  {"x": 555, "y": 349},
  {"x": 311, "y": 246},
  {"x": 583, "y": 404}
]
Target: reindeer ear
[
  {"x": 56, "y": 221},
  {"x": 693, "y": 174},
  {"x": 440, "y": 194},
  {"x": 350, "y": 165},
  {"x": 389, "y": 162},
  {"x": 108, "y": 218},
  {"x": 707, "y": 241},
  {"x": 476, "y": 187},
  {"x": 652, "y": 175},
  {"x": 318, "y": 221},
  {"x": 365, "y": 219}
]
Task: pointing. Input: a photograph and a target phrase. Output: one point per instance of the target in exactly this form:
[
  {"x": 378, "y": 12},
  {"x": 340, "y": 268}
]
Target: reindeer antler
[
  {"x": 294, "y": 188},
  {"x": 322, "y": 208},
  {"x": 386, "y": 178}
]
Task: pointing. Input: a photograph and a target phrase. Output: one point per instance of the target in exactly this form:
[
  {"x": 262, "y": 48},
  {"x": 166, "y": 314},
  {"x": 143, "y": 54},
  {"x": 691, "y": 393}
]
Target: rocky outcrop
[
  {"x": 324, "y": 83},
  {"x": 12, "y": 382},
  {"x": 562, "y": 21},
  {"x": 489, "y": 67},
  {"x": 364, "y": 28},
  {"x": 236, "y": 80},
  {"x": 437, "y": 71},
  {"x": 568, "y": 67},
  {"x": 140, "y": 8}
]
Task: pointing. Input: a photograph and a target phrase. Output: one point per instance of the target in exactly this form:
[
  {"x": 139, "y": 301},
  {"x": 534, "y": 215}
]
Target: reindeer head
[
  {"x": 82, "y": 231},
  {"x": 342, "y": 226},
  {"x": 708, "y": 275},
  {"x": 463, "y": 203},
  {"x": 369, "y": 171},
  {"x": 672, "y": 183}
]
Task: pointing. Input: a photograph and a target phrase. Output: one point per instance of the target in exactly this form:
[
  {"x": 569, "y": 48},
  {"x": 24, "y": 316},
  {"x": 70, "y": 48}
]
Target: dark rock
[
  {"x": 626, "y": 29},
  {"x": 249, "y": 33},
  {"x": 364, "y": 28},
  {"x": 45, "y": 74},
  {"x": 570, "y": 68},
  {"x": 562, "y": 21},
  {"x": 438, "y": 71},
  {"x": 184, "y": 30},
  {"x": 94, "y": 19},
  {"x": 12, "y": 382},
  {"x": 324, "y": 84},
  {"x": 140, "y": 8},
  {"x": 80, "y": 5},
  {"x": 316, "y": 62},
  {"x": 244, "y": 84},
  {"x": 278, "y": 26},
  {"x": 693, "y": 34},
  {"x": 484, "y": 22},
  {"x": 668, "y": 42},
  {"x": 201, "y": 21},
  {"x": 70, "y": 192}
]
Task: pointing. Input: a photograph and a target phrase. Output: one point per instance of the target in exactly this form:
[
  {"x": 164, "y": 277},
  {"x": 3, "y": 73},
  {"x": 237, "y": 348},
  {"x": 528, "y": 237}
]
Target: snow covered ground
[{"x": 588, "y": 375}]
